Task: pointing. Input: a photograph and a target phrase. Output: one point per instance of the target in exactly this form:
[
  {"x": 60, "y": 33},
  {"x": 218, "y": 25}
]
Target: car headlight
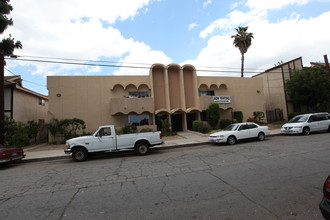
[{"x": 221, "y": 136}]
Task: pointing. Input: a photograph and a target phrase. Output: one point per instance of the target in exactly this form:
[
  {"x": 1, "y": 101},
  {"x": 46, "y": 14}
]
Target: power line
[
  {"x": 118, "y": 66},
  {"x": 25, "y": 79}
]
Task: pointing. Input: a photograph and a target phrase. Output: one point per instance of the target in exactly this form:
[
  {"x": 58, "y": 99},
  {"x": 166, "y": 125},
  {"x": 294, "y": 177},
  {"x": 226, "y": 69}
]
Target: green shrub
[
  {"x": 213, "y": 114},
  {"x": 20, "y": 138},
  {"x": 197, "y": 125},
  {"x": 146, "y": 130},
  {"x": 129, "y": 129},
  {"x": 259, "y": 116},
  {"x": 204, "y": 129},
  {"x": 238, "y": 115},
  {"x": 224, "y": 123}
]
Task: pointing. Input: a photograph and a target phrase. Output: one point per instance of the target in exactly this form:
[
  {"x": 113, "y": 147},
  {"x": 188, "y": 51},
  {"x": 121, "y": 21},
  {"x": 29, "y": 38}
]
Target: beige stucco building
[
  {"x": 278, "y": 103},
  {"x": 22, "y": 104},
  {"x": 172, "y": 90}
]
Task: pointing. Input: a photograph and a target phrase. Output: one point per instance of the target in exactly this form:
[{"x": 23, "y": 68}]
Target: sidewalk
[{"x": 183, "y": 139}]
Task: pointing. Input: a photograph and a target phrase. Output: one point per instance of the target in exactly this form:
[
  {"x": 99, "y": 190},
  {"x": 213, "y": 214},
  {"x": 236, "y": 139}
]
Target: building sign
[{"x": 222, "y": 99}]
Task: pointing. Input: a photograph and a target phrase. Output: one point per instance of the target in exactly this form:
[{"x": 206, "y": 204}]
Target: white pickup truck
[{"x": 106, "y": 139}]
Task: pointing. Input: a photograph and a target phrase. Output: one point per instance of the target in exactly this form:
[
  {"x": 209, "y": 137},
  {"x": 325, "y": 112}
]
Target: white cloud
[
  {"x": 232, "y": 20},
  {"x": 208, "y": 2},
  {"x": 271, "y": 4},
  {"x": 141, "y": 56},
  {"x": 273, "y": 42},
  {"x": 75, "y": 29},
  {"x": 192, "y": 26}
]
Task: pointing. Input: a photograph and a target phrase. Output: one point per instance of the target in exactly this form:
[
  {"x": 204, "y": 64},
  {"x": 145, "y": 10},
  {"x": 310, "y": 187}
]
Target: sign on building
[{"x": 222, "y": 99}]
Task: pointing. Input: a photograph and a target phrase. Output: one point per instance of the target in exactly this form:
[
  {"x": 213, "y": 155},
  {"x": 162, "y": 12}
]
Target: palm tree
[{"x": 242, "y": 40}]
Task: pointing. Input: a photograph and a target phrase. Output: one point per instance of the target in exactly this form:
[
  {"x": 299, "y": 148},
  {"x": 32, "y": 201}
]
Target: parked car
[
  {"x": 307, "y": 123},
  {"x": 106, "y": 139},
  {"x": 8, "y": 155},
  {"x": 238, "y": 131},
  {"x": 325, "y": 202}
]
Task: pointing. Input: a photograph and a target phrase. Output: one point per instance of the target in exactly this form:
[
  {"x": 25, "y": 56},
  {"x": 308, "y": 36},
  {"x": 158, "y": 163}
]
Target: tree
[
  {"x": 33, "y": 129},
  {"x": 213, "y": 114},
  {"x": 53, "y": 127},
  {"x": 7, "y": 45},
  {"x": 309, "y": 87},
  {"x": 242, "y": 40}
]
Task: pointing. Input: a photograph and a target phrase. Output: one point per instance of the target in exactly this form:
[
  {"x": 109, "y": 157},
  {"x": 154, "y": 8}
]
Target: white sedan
[{"x": 239, "y": 131}]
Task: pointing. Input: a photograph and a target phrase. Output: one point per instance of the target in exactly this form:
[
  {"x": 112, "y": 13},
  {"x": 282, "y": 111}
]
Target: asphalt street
[{"x": 279, "y": 178}]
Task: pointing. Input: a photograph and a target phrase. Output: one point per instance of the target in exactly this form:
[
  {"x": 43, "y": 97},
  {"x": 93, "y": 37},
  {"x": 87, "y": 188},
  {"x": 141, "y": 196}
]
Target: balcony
[{"x": 129, "y": 105}]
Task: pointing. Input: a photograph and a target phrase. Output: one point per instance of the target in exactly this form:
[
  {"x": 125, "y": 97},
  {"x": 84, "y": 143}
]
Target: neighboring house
[
  {"x": 22, "y": 104},
  {"x": 324, "y": 65},
  {"x": 278, "y": 104},
  {"x": 172, "y": 90}
]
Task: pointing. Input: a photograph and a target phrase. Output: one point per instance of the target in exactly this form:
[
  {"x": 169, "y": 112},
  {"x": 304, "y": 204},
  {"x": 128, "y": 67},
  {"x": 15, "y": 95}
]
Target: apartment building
[{"x": 172, "y": 91}]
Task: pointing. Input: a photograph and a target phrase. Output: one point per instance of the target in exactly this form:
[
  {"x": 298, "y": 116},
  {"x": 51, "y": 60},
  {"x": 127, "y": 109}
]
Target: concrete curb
[{"x": 169, "y": 147}]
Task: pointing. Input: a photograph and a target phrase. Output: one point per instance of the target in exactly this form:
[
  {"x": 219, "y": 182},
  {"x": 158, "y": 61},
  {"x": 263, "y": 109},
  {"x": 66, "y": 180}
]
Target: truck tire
[
  {"x": 142, "y": 148},
  {"x": 79, "y": 154}
]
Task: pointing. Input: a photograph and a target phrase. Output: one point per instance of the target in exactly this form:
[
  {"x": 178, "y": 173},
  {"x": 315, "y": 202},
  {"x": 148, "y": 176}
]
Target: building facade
[
  {"x": 172, "y": 91},
  {"x": 22, "y": 104},
  {"x": 277, "y": 101}
]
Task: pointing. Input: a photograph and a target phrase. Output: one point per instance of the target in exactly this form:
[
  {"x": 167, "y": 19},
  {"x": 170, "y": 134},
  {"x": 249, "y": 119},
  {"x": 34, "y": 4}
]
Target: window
[
  {"x": 138, "y": 94},
  {"x": 138, "y": 119},
  {"x": 251, "y": 126},
  {"x": 206, "y": 93},
  {"x": 104, "y": 132},
  {"x": 42, "y": 101}
]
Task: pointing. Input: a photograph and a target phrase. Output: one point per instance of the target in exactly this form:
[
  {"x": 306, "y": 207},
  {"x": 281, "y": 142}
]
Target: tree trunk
[{"x": 242, "y": 65}]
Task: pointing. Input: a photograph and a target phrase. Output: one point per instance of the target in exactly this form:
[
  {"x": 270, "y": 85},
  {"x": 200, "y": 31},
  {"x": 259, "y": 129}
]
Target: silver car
[{"x": 307, "y": 123}]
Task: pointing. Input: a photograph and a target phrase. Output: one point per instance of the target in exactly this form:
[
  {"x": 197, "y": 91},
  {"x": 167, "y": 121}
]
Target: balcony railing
[{"x": 129, "y": 105}]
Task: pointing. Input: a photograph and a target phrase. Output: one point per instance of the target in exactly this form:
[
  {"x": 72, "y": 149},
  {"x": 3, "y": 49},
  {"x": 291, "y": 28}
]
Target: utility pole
[{"x": 2, "y": 99}]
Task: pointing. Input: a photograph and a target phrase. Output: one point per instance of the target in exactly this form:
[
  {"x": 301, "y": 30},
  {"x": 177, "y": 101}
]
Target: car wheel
[
  {"x": 231, "y": 140},
  {"x": 306, "y": 131},
  {"x": 142, "y": 148},
  {"x": 79, "y": 155},
  {"x": 261, "y": 136}
]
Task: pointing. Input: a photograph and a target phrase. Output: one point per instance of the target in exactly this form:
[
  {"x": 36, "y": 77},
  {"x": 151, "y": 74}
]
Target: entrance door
[
  {"x": 191, "y": 117},
  {"x": 176, "y": 121}
]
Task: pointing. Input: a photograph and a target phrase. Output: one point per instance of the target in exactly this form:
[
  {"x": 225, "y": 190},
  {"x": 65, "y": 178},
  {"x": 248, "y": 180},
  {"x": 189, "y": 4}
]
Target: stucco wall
[{"x": 27, "y": 108}]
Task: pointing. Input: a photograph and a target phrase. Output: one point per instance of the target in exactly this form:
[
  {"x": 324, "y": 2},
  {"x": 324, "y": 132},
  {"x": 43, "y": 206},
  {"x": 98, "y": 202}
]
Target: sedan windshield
[
  {"x": 232, "y": 127},
  {"x": 299, "y": 118}
]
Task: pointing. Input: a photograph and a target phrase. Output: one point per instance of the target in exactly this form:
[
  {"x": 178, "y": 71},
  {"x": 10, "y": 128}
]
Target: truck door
[{"x": 104, "y": 140}]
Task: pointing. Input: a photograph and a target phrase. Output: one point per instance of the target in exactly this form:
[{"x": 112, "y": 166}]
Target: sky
[{"x": 111, "y": 37}]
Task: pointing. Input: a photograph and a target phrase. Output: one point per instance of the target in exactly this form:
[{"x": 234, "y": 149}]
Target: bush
[
  {"x": 238, "y": 116},
  {"x": 259, "y": 117},
  {"x": 213, "y": 114},
  {"x": 129, "y": 129},
  {"x": 146, "y": 130},
  {"x": 197, "y": 125},
  {"x": 224, "y": 123},
  {"x": 20, "y": 138},
  {"x": 200, "y": 127}
]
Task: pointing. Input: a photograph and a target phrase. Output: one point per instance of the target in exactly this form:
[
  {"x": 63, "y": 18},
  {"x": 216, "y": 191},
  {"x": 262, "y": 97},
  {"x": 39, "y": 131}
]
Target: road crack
[
  {"x": 244, "y": 195},
  {"x": 69, "y": 203}
]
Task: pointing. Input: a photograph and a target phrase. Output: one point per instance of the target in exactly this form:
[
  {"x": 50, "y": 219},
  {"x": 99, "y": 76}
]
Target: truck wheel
[
  {"x": 142, "y": 148},
  {"x": 79, "y": 154}
]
